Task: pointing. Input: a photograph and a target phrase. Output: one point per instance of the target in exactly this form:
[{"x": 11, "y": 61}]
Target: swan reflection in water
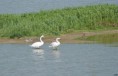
[
  {"x": 39, "y": 53},
  {"x": 56, "y": 53}
]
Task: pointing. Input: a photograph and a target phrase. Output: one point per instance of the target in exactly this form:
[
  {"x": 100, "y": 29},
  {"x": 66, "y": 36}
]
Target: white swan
[
  {"x": 38, "y": 44},
  {"x": 54, "y": 45}
]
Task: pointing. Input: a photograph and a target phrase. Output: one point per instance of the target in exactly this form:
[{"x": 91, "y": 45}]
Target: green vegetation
[{"x": 56, "y": 22}]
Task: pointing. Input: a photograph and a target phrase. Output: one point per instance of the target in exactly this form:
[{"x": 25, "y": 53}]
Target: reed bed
[{"x": 56, "y": 22}]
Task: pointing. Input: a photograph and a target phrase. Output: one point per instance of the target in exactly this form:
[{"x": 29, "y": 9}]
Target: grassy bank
[{"x": 56, "y": 22}]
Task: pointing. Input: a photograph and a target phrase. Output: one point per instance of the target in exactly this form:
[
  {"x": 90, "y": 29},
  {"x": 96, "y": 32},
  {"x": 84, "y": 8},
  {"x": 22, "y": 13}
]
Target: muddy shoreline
[{"x": 65, "y": 38}]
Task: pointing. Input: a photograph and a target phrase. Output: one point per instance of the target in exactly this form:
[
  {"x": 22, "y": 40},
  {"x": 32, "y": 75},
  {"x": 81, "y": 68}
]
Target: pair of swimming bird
[{"x": 54, "y": 45}]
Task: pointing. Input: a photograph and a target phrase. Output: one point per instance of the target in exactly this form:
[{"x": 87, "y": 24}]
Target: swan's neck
[
  {"x": 57, "y": 41},
  {"x": 41, "y": 39}
]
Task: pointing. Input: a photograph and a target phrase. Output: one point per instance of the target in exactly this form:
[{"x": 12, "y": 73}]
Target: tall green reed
[{"x": 56, "y": 22}]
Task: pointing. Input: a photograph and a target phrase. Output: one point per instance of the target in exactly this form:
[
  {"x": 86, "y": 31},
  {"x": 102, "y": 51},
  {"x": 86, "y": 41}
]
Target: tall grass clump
[{"x": 56, "y": 22}]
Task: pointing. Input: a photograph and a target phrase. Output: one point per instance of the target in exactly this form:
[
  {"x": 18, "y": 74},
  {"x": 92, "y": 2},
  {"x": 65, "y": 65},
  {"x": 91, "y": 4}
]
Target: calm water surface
[
  {"x": 69, "y": 60},
  {"x": 24, "y": 6}
]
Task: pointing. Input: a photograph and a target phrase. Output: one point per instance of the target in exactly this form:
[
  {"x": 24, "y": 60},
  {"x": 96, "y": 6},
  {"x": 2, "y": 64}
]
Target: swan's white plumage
[
  {"x": 38, "y": 44},
  {"x": 55, "y": 44}
]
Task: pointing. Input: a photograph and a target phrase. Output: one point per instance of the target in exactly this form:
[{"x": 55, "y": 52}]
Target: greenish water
[
  {"x": 104, "y": 38},
  {"x": 68, "y": 60}
]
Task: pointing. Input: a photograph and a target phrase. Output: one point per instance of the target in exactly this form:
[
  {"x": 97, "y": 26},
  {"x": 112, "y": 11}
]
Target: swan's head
[
  {"x": 42, "y": 36},
  {"x": 58, "y": 38}
]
